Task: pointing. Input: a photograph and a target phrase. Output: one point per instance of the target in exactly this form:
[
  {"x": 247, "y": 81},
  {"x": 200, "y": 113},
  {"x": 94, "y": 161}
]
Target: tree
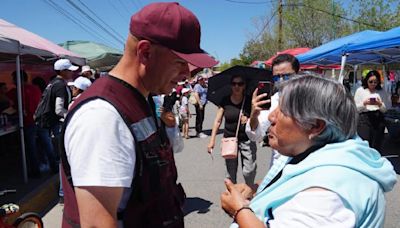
[
  {"x": 310, "y": 23},
  {"x": 306, "y": 23},
  {"x": 376, "y": 14}
]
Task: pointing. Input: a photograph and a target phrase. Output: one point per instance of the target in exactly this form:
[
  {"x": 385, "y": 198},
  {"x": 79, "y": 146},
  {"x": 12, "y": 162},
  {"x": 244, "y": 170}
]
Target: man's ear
[
  {"x": 317, "y": 128},
  {"x": 143, "y": 51}
]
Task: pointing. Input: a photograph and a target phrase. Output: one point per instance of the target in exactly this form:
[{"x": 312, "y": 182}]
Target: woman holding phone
[
  {"x": 229, "y": 109},
  {"x": 372, "y": 101}
]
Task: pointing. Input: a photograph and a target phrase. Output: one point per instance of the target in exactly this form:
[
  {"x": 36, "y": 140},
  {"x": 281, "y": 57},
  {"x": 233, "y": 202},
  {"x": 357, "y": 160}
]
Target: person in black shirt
[{"x": 230, "y": 109}]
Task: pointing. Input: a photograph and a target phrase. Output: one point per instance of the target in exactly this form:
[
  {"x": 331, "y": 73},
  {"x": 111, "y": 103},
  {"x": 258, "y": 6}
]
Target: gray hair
[{"x": 308, "y": 98}]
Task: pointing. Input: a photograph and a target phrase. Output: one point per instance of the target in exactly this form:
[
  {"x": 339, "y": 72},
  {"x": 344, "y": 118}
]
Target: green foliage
[
  {"x": 376, "y": 14},
  {"x": 310, "y": 23}
]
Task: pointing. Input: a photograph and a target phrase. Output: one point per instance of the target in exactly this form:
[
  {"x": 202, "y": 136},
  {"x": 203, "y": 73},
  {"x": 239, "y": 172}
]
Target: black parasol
[{"x": 219, "y": 85}]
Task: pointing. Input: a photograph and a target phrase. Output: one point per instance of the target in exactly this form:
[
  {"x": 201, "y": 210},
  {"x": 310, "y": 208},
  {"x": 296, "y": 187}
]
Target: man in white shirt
[
  {"x": 103, "y": 151},
  {"x": 283, "y": 66}
]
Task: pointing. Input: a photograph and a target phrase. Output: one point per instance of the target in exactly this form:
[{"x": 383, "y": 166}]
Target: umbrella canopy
[
  {"x": 99, "y": 56},
  {"x": 25, "y": 37},
  {"x": 219, "y": 86},
  {"x": 292, "y": 51}
]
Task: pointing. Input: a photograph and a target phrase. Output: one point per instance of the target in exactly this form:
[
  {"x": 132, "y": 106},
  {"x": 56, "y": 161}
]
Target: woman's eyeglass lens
[{"x": 237, "y": 83}]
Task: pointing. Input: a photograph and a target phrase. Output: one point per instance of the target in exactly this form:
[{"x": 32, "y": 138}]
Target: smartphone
[
  {"x": 372, "y": 100},
  {"x": 265, "y": 87}
]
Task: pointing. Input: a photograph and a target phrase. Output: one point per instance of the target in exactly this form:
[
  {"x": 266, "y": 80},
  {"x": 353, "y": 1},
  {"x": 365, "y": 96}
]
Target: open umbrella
[{"x": 219, "y": 85}]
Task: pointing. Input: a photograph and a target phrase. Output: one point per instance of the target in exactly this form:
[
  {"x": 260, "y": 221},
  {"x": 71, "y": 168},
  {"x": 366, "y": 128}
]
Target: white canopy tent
[{"x": 12, "y": 50}]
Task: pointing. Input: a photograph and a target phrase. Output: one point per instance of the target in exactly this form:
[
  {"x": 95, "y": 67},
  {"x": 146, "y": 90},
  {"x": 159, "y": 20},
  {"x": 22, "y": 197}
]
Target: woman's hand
[
  {"x": 367, "y": 102},
  {"x": 243, "y": 119},
  {"x": 246, "y": 191},
  {"x": 232, "y": 199},
  {"x": 378, "y": 102},
  {"x": 210, "y": 146}
]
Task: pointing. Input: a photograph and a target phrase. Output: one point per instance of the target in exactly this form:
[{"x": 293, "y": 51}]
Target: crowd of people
[{"x": 114, "y": 137}]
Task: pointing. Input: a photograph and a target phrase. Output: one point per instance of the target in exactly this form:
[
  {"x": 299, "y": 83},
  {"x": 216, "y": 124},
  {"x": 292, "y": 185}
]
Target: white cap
[
  {"x": 64, "y": 64},
  {"x": 82, "y": 83},
  {"x": 86, "y": 68},
  {"x": 185, "y": 90}
]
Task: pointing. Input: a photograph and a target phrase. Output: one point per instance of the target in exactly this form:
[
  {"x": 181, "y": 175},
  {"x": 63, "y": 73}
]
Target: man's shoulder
[{"x": 96, "y": 106}]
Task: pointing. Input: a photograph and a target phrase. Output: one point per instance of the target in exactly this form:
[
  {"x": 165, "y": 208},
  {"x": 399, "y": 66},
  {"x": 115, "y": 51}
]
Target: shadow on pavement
[{"x": 200, "y": 205}]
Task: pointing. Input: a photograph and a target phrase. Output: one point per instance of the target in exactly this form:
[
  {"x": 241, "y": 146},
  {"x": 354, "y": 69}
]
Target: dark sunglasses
[
  {"x": 237, "y": 83},
  {"x": 373, "y": 82},
  {"x": 278, "y": 77}
]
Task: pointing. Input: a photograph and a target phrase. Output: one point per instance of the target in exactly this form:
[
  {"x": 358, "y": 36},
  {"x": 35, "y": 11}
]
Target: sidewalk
[{"x": 38, "y": 194}]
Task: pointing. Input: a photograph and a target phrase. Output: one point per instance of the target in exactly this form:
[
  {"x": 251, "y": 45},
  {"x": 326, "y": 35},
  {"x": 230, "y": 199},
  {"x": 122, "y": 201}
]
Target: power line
[
  {"x": 125, "y": 7},
  {"x": 95, "y": 22},
  {"x": 101, "y": 19},
  {"x": 76, "y": 21},
  {"x": 266, "y": 24},
  {"x": 252, "y": 2},
  {"x": 119, "y": 13}
]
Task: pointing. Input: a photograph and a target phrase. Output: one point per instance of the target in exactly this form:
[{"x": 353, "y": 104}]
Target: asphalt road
[{"x": 202, "y": 177}]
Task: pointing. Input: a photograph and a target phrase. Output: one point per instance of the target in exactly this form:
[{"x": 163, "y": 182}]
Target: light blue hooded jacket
[{"x": 353, "y": 170}]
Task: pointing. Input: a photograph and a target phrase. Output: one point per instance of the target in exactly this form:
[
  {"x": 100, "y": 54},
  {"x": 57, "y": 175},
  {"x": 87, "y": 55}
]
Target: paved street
[{"x": 202, "y": 177}]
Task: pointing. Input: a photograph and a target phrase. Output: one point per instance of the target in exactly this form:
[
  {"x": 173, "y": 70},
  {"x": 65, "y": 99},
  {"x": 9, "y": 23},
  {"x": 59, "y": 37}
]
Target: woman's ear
[{"x": 317, "y": 128}]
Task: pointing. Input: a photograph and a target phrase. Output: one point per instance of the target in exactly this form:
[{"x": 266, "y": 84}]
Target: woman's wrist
[{"x": 235, "y": 215}]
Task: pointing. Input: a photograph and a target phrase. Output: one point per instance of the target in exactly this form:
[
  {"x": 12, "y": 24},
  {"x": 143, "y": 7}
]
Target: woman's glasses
[
  {"x": 372, "y": 82},
  {"x": 237, "y": 83}
]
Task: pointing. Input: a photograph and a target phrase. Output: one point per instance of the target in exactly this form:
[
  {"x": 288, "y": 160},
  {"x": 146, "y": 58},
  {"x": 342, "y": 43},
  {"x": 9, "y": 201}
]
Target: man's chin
[{"x": 163, "y": 91}]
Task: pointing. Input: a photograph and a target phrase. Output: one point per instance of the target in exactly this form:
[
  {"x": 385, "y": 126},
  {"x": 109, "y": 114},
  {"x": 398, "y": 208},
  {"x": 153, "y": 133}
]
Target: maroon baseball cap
[{"x": 173, "y": 26}]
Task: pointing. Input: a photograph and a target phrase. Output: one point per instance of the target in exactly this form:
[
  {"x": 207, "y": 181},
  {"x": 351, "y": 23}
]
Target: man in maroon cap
[{"x": 118, "y": 166}]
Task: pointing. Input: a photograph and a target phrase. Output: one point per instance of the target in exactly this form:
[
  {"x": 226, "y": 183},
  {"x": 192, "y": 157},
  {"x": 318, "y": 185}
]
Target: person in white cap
[
  {"x": 184, "y": 112},
  {"x": 79, "y": 85},
  {"x": 54, "y": 103},
  {"x": 87, "y": 72}
]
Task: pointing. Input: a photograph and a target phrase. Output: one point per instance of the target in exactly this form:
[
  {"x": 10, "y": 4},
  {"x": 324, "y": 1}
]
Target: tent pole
[
  {"x": 341, "y": 75},
  {"x": 21, "y": 119}
]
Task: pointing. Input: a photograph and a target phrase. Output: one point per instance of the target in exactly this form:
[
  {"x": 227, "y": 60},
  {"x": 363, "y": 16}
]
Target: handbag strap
[{"x": 240, "y": 115}]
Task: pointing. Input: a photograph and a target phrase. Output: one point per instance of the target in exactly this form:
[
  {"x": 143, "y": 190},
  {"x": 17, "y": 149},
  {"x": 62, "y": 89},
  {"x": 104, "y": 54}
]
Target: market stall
[{"x": 21, "y": 47}]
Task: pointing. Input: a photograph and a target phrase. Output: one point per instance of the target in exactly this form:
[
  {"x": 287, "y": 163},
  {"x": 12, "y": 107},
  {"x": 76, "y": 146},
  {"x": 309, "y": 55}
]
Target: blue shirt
[{"x": 202, "y": 93}]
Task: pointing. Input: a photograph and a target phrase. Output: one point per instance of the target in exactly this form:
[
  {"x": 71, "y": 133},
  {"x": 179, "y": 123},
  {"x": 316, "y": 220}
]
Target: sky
[{"x": 225, "y": 24}]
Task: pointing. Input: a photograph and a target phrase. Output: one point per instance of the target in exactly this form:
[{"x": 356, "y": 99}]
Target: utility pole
[
  {"x": 280, "y": 25},
  {"x": 333, "y": 20}
]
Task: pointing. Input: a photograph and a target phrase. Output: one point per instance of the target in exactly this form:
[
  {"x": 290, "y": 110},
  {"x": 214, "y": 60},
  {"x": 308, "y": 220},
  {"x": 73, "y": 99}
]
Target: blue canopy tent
[
  {"x": 366, "y": 47},
  {"x": 383, "y": 48},
  {"x": 331, "y": 52}
]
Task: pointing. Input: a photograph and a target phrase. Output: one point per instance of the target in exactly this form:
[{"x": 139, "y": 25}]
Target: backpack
[{"x": 44, "y": 116}]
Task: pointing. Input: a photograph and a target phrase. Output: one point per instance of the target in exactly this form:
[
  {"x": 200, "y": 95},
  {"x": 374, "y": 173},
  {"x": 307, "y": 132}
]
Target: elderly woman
[{"x": 331, "y": 177}]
